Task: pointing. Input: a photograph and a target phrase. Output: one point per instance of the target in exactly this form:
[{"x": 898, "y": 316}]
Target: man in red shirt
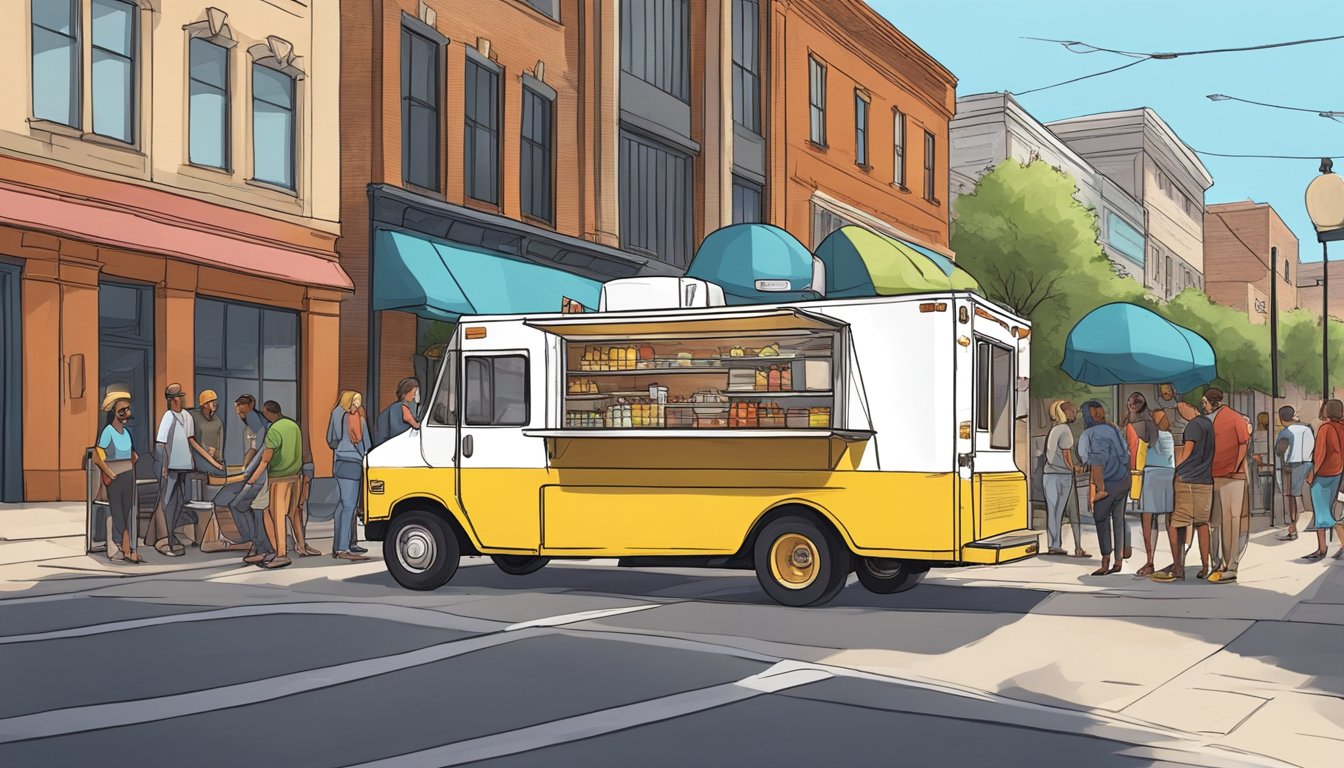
[{"x": 1231, "y": 436}]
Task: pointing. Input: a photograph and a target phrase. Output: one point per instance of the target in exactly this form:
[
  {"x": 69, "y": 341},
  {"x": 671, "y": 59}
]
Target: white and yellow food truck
[{"x": 805, "y": 440}]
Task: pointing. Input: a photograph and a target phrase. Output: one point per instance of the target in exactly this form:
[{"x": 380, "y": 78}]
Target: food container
[
  {"x": 819, "y": 417},
  {"x": 658, "y": 393},
  {"x": 711, "y": 422},
  {"x": 710, "y": 404},
  {"x": 811, "y": 375},
  {"x": 742, "y": 380},
  {"x": 680, "y": 418},
  {"x": 774, "y": 421},
  {"x": 797, "y": 418}
]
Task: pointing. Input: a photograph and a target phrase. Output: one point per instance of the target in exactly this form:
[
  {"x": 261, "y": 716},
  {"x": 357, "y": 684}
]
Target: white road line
[
  {"x": 780, "y": 677},
  {"x": 572, "y": 618},
  {"x": 61, "y": 722},
  {"x": 419, "y": 616}
]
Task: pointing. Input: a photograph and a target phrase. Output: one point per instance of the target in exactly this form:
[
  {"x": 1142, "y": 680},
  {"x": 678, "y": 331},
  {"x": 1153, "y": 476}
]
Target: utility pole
[{"x": 1273, "y": 374}]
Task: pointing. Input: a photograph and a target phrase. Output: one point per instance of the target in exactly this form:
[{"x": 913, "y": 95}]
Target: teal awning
[
  {"x": 443, "y": 281},
  {"x": 1127, "y": 344},
  {"x": 736, "y": 256}
]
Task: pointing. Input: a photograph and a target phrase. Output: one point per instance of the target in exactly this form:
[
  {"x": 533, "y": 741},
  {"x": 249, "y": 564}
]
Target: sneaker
[
  {"x": 358, "y": 549},
  {"x": 351, "y": 556},
  {"x": 1222, "y": 577},
  {"x": 278, "y": 562}
]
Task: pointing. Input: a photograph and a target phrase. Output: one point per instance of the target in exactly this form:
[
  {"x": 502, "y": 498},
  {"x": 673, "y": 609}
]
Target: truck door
[
  {"x": 499, "y": 471},
  {"x": 997, "y": 485}
]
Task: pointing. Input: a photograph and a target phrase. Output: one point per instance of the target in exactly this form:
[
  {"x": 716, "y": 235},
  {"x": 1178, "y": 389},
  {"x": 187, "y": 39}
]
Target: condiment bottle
[{"x": 775, "y": 380}]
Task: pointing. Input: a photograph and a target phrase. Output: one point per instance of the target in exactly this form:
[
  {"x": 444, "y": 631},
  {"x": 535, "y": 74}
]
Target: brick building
[
  {"x": 557, "y": 144},
  {"x": 1238, "y": 238},
  {"x": 168, "y": 215}
]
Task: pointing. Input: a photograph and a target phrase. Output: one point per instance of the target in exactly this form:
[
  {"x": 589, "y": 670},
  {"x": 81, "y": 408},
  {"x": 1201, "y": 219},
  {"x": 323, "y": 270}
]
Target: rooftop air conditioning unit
[{"x": 634, "y": 293}]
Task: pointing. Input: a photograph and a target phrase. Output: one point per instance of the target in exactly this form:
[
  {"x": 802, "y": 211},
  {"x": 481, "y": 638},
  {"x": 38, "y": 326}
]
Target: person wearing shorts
[
  {"x": 1193, "y": 503},
  {"x": 1324, "y": 478},
  {"x": 1294, "y": 448}
]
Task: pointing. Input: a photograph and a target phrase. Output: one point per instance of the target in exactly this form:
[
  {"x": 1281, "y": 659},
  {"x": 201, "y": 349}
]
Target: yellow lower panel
[
  {"x": 990, "y": 556},
  {"x": 1001, "y": 503}
]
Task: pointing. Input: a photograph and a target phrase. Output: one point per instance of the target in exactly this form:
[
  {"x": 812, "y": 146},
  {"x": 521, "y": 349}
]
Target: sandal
[
  {"x": 1203, "y": 574},
  {"x": 1167, "y": 577},
  {"x": 1115, "y": 568},
  {"x": 1146, "y": 570},
  {"x": 1314, "y": 556},
  {"x": 1100, "y": 572},
  {"x": 1079, "y": 553}
]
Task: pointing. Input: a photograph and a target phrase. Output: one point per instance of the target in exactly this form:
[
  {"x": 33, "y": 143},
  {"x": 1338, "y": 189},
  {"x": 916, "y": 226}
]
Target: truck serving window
[
  {"x": 994, "y": 393},
  {"x": 496, "y": 391}
]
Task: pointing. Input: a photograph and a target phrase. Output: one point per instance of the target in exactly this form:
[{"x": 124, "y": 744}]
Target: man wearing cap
[
  {"x": 209, "y": 460},
  {"x": 1294, "y": 447},
  {"x": 175, "y": 442}
]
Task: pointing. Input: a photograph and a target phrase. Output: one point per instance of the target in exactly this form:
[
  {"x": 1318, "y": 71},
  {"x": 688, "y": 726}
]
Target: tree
[
  {"x": 1033, "y": 247},
  {"x": 1240, "y": 347}
]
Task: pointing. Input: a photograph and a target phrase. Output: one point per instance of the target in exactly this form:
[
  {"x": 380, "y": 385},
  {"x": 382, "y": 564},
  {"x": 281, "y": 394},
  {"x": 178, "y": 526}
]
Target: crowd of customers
[
  {"x": 1200, "y": 484},
  {"x": 266, "y": 496}
]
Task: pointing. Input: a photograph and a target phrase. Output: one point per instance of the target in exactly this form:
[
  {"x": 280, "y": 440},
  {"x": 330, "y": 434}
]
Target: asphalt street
[{"x": 579, "y": 664}]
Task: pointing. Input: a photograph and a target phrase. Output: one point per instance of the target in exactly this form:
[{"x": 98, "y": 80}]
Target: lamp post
[{"x": 1325, "y": 206}]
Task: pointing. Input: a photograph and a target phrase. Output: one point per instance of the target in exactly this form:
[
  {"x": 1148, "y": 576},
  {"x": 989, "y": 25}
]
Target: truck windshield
[{"x": 443, "y": 408}]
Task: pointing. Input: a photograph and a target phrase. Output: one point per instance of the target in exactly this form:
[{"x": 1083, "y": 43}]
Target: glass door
[
  {"x": 126, "y": 360},
  {"x": 11, "y": 402}
]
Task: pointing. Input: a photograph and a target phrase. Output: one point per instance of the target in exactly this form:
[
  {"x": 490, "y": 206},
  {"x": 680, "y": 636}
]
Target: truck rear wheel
[
  {"x": 800, "y": 563},
  {"x": 520, "y": 565},
  {"x": 887, "y": 577},
  {"x": 421, "y": 550}
]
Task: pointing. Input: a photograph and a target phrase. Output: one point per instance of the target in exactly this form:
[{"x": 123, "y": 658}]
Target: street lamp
[{"x": 1325, "y": 206}]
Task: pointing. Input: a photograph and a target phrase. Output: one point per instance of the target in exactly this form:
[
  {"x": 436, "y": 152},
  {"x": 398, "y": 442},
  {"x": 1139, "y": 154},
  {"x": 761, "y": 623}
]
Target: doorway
[
  {"x": 126, "y": 358},
  {"x": 11, "y": 396}
]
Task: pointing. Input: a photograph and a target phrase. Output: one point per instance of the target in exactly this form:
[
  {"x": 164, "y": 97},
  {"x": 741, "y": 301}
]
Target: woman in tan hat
[{"x": 116, "y": 459}]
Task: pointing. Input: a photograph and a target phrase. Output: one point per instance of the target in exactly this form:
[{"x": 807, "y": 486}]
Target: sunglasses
[{"x": 123, "y": 411}]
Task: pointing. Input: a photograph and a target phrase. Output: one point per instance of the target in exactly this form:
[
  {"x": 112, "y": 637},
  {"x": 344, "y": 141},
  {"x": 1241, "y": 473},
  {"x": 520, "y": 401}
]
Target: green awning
[
  {"x": 443, "y": 281},
  {"x": 860, "y": 262}
]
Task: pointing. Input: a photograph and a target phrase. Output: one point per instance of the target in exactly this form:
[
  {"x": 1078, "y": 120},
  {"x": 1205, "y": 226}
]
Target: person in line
[
  {"x": 1140, "y": 433},
  {"x": 253, "y": 425},
  {"x": 209, "y": 427},
  {"x": 1102, "y": 448},
  {"x": 1294, "y": 447},
  {"x": 1327, "y": 467},
  {"x": 175, "y": 442},
  {"x": 247, "y": 500},
  {"x": 399, "y": 416},
  {"x": 1260, "y": 484},
  {"x": 1058, "y": 473},
  {"x": 1158, "y": 477},
  {"x": 348, "y": 469},
  {"x": 116, "y": 458},
  {"x": 282, "y": 458},
  {"x": 1231, "y": 436},
  {"x": 1193, "y": 504},
  {"x": 336, "y": 429}
]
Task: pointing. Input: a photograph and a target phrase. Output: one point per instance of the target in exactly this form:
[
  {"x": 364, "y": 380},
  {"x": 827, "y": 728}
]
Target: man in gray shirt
[{"x": 1059, "y": 471}]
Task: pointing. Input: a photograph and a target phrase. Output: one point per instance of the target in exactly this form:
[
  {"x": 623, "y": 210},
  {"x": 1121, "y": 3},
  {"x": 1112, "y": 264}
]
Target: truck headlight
[{"x": 376, "y": 486}]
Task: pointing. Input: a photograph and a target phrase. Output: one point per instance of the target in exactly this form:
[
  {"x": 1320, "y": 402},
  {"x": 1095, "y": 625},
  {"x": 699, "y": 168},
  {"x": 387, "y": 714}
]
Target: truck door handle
[
  {"x": 965, "y": 459},
  {"x": 466, "y": 446}
]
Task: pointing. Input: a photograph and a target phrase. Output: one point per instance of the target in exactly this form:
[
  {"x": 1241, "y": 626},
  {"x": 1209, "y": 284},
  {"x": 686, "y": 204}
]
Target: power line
[
  {"x": 1076, "y": 46},
  {"x": 1084, "y": 77},
  {"x": 1266, "y": 157}
]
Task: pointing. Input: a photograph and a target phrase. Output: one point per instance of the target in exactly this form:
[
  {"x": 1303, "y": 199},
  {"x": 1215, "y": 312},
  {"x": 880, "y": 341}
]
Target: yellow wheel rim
[{"x": 793, "y": 561}]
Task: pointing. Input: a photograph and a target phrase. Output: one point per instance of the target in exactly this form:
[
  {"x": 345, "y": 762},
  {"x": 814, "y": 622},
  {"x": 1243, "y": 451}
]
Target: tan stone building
[
  {"x": 168, "y": 213},
  {"x": 1238, "y": 241}
]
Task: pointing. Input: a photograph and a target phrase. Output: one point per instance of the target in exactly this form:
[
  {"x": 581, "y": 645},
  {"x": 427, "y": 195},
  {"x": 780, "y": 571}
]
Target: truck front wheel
[
  {"x": 421, "y": 550},
  {"x": 799, "y": 563},
  {"x": 520, "y": 565},
  {"x": 887, "y": 577}
]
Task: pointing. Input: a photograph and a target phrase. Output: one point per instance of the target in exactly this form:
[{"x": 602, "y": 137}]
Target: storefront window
[{"x": 246, "y": 350}]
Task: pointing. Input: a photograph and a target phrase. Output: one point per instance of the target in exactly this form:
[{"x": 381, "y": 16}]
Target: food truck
[{"x": 804, "y": 440}]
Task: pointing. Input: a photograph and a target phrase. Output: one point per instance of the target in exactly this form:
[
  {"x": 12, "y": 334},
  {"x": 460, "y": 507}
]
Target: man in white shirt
[
  {"x": 175, "y": 441},
  {"x": 1294, "y": 447}
]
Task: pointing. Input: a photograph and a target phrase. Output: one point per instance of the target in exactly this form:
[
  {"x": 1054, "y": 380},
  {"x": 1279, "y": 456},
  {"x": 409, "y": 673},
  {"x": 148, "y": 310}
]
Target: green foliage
[
  {"x": 1300, "y": 348},
  {"x": 1033, "y": 247},
  {"x": 1241, "y": 348}
]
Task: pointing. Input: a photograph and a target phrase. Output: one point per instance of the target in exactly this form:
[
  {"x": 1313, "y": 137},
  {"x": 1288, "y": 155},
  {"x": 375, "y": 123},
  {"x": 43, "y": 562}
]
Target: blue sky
[{"x": 981, "y": 42}]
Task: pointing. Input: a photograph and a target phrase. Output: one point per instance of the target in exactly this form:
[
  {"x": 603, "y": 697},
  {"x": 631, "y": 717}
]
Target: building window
[
  {"x": 242, "y": 349},
  {"x": 535, "y": 160},
  {"x": 420, "y": 69},
  {"x": 747, "y": 64},
  {"x": 56, "y": 61},
  {"x": 816, "y": 99},
  {"x": 898, "y": 145},
  {"x": 656, "y": 44},
  {"x": 930, "y": 166},
  {"x": 272, "y": 126},
  {"x": 824, "y": 222},
  {"x": 1286, "y": 277},
  {"x": 496, "y": 391},
  {"x": 655, "y": 190},
  {"x": 748, "y": 199},
  {"x": 549, "y": 7},
  {"x": 208, "y": 109},
  {"x": 1124, "y": 238},
  {"x": 113, "y": 65},
  {"x": 860, "y": 129},
  {"x": 481, "y": 140}
]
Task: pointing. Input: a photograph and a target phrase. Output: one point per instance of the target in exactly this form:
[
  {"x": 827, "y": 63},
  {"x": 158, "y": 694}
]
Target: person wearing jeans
[
  {"x": 351, "y": 447},
  {"x": 1103, "y": 449},
  {"x": 1058, "y": 474}
]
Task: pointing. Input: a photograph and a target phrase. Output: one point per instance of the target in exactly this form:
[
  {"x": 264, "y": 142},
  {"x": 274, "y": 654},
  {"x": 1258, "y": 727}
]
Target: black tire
[
  {"x": 887, "y": 577},
  {"x": 421, "y": 550},
  {"x": 520, "y": 565},
  {"x": 813, "y": 566}
]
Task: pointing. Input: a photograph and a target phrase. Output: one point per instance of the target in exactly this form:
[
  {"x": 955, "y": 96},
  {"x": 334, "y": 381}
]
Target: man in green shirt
[{"x": 282, "y": 459}]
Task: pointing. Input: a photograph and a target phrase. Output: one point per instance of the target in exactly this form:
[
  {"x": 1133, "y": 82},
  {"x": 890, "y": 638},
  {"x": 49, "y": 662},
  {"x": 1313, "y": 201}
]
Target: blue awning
[
  {"x": 1127, "y": 344},
  {"x": 443, "y": 281},
  {"x": 736, "y": 256}
]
